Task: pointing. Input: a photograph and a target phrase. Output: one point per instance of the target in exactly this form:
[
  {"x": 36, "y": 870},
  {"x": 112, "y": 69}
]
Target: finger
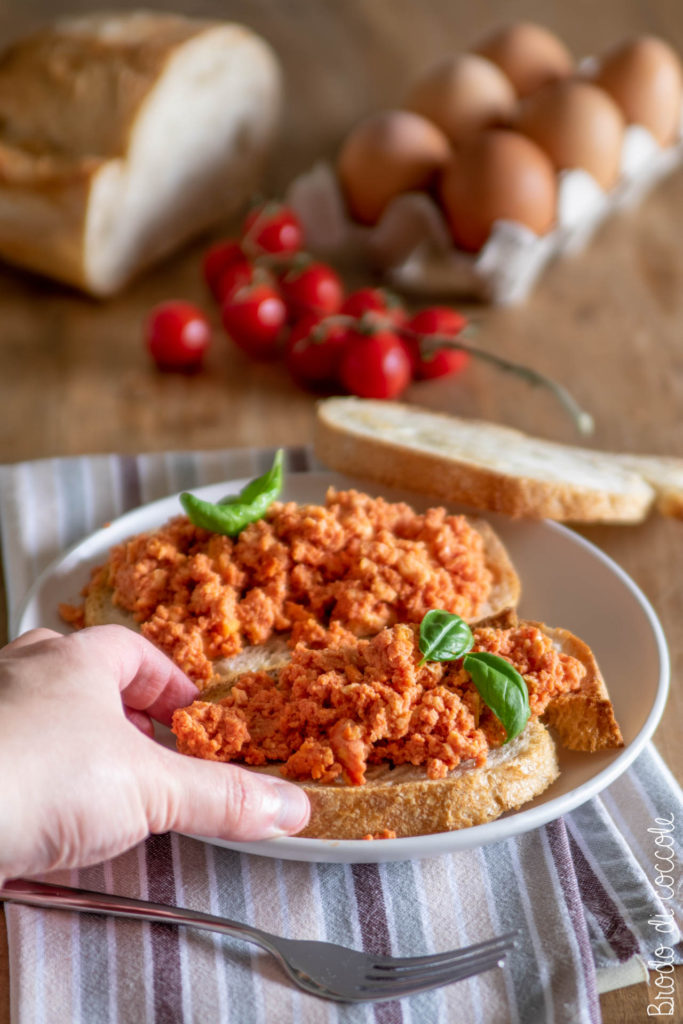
[
  {"x": 206, "y": 798},
  {"x": 149, "y": 681},
  {"x": 141, "y": 721},
  {"x": 32, "y": 636}
]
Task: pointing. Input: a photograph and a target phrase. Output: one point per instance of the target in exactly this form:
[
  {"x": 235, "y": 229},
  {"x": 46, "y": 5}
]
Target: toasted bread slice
[
  {"x": 100, "y": 609},
  {"x": 488, "y": 466},
  {"x": 404, "y": 800}
]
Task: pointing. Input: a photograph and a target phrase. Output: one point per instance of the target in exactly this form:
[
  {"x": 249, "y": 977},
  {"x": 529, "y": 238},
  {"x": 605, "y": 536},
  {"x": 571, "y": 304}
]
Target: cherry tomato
[
  {"x": 314, "y": 350},
  {"x": 374, "y": 300},
  {"x": 374, "y": 365},
  {"x": 218, "y": 258},
  {"x": 439, "y": 320},
  {"x": 311, "y": 287},
  {"x": 239, "y": 274},
  {"x": 273, "y": 228},
  {"x": 412, "y": 350},
  {"x": 177, "y": 335},
  {"x": 380, "y": 306},
  {"x": 254, "y": 317}
]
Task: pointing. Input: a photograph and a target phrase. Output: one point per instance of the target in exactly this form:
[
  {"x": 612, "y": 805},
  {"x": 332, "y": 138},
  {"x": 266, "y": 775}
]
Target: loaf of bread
[
  {"x": 122, "y": 135},
  {"x": 488, "y": 466}
]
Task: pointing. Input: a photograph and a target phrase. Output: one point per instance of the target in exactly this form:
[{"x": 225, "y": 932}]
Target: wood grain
[{"x": 74, "y": 376}]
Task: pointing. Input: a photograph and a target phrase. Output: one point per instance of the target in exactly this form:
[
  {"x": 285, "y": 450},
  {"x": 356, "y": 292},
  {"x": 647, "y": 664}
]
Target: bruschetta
[
  {"x": 387, "y": 743},
  {"x": 211, "y": 601}
]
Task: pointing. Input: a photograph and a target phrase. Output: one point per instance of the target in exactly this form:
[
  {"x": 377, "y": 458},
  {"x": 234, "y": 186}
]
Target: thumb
[{"x": 208, "y": 798}]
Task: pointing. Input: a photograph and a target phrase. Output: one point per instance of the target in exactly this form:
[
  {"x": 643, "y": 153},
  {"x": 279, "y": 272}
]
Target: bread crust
[{"x": 404, "y": 446}]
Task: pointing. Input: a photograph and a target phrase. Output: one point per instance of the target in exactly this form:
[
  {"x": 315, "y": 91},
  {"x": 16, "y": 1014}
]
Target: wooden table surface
[{"x": 609, "y": 323}]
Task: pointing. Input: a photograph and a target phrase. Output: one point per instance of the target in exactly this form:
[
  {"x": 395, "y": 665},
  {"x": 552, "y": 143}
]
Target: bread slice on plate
[
  {"x": 273, "y": 654},
  {"x": 100, "y": 609},
  {"x": 488, "y": 466},
  {"x": 122, "y": 135},
  {"x": 402, "y": 799}
]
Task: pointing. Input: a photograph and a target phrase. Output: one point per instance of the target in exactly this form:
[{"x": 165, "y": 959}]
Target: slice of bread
[
  {"x": 404, "y": 800},
  {"x": 488, "y": 466},
  {"x": 100, "y": 609},
  {"x": 583, "y": 719},
  {"x": 665, "y": 474}
]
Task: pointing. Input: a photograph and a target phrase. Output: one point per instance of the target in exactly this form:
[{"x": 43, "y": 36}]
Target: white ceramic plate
[{"x": 566, "y": 581}]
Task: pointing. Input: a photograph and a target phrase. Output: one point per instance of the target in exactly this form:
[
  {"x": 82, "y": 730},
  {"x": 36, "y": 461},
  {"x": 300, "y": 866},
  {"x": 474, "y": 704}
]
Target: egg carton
[{"x": 412, "y": 246}]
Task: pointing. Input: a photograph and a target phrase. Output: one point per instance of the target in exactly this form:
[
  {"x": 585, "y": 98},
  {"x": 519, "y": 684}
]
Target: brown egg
[
  {"x": 462, "y": 94},
  {"x": 388, "y": 153},
  {"x": 644, "y": 77},
  {"x": 497, "y": 175},
  {"x": 529, "y": 54},
  {"x": 578, "y": 125}
]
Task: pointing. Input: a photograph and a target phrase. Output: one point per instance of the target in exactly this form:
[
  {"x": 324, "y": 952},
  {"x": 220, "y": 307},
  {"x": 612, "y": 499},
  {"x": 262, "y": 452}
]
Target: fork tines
[{"x": 409, "y": 974}]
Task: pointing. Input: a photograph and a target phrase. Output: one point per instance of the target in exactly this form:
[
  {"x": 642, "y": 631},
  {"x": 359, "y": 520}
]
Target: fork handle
[{"x": 63, "y": 897}]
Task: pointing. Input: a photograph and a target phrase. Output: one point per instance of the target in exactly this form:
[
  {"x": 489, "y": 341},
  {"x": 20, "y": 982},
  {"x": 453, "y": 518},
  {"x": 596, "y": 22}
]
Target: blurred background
[{"x": 341, "y": 59}]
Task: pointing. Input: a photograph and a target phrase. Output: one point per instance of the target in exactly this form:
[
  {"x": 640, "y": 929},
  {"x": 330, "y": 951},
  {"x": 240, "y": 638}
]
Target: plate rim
[{"x": 410, "y": 847}]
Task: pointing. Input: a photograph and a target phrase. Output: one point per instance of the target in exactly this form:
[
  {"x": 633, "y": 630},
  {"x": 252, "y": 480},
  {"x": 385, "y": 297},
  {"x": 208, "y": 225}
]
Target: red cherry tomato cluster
[
  {"x": 372, "y": 348},
  {"x": 276, "y": 300},
  {"x": 264, "y": 282}
]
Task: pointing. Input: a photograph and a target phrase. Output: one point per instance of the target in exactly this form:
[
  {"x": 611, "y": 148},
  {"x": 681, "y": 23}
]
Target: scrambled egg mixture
[
  {"x": 333, "y": 711},
  {"x": 358, "y": 561}
]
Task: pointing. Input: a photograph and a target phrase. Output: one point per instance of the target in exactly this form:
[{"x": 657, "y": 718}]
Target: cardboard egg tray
[{"x": 413, "y": 247}]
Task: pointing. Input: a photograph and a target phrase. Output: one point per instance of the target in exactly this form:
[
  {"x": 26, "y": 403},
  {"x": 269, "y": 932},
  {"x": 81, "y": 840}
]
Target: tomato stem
[{"x": 429, "y": 344}]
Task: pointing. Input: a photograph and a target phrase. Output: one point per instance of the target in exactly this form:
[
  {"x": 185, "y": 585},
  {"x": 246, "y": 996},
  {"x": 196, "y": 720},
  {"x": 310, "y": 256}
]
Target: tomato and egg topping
[
  {"x": 362, "y": 562},
  {"x": 333, "y": 711}
]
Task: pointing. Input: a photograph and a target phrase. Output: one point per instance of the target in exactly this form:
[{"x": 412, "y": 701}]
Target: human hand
[{"x": 81, "y": 780}]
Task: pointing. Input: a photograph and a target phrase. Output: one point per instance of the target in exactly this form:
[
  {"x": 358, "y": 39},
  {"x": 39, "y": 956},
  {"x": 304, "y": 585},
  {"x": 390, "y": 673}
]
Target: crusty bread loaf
[
  {"x": 100, "y": 609},
  {"x": 489, "y": 466},
  {"x": 404, "y": 800},
  {"x": 121, "y": 135}
]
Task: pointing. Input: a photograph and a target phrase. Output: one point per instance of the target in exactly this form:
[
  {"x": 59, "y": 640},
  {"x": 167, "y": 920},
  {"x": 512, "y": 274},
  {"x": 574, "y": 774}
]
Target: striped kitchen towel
[{"x": 582, "y": 889}]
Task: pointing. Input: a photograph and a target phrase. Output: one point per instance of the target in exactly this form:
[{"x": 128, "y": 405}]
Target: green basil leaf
[
  {"x": 261, "y": 487},
  {"x": 231, "y": 514},
  {"x": 502, "y": 688},
  {"x": 444, "y": 636}
]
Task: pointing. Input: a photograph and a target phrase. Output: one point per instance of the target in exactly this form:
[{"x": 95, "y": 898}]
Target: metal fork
[{"x": 322, "y": 968}]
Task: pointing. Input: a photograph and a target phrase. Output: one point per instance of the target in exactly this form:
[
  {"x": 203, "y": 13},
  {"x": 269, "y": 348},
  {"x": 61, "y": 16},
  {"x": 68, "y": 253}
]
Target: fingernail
[{"x": 292, "y": 809}]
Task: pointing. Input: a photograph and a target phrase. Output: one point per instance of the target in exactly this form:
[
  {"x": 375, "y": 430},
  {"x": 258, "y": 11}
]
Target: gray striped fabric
[{"x": 581, "y": 889}]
